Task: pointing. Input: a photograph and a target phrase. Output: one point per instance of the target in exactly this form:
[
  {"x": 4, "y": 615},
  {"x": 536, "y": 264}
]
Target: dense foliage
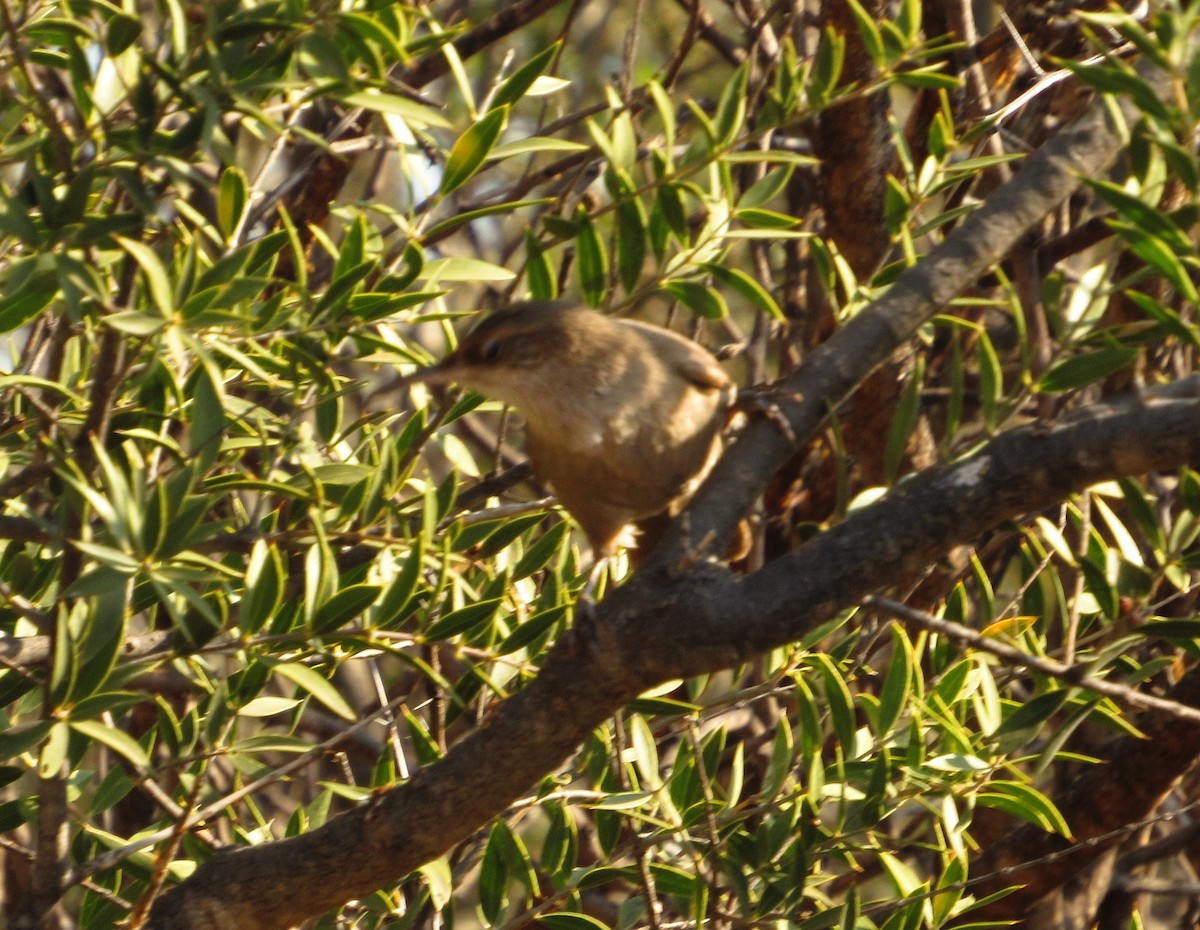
[{"x": 246, "y": 584}]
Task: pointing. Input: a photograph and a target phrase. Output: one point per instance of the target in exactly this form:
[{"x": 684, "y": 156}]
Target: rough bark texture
[
  {"x": 835, "y": 368},
  {"x": 666, "y": 624}
]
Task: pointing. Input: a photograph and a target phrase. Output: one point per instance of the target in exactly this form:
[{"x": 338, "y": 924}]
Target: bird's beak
[{"x": 444, "y": 372}]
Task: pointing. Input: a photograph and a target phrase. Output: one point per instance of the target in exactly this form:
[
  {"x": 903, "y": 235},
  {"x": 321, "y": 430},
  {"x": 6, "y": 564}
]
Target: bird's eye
[{"x": 490, "y": 350}]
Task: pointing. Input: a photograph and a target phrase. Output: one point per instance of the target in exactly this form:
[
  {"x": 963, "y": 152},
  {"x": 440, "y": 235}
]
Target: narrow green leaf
[
  {"x": 838, "y": 701},
  {"x": 263, "y": 587},
  {"x": 897, "y": 683},
  {"x": 762, "y": 191},
  {"x": 27, "y": 301},
  {"x": 631, "y": 243},
  {"x": 440, "y": 879},
  {"x": 155, "y": 273},
  {"x": 904, "y": 421},
  {"x": 317, "y": 685},
  {"x": 699, "y": 297},
  {"x": 1114, "y": 77},
  {"x": 493, "y": 877},
  {"x": 1088, "y": 368},
  {"x": 543, "y": 285},
  {"x": 991, "y": 378},
  {"x": 741, "y": 283},
  {"x": 467, "y": 216},
  {"x": 207, "y": 414},
  {"x": 867, "y": 28},
  {"x": 22, "y": 737},
  {"x": 731, "y": 109},
  {"x": 118, "y": 741},
  {"x": 532, "y": 629},
  {"x": 592, "y": 260},
  {"x": 344, "y": 606},
  {"x": 1158, "y": 254},
  {"x": 418, "y": 114},
  {"x": 472, "y": 148},
  {"x": 1025, "y": 802},
  {"x": 517, "y": 84},
  {"x": 570, "y": 920},
  {"x": 463, "y": 620},
  {"x": 232, "y": 198},
  {"x": 668, "y": 202}
]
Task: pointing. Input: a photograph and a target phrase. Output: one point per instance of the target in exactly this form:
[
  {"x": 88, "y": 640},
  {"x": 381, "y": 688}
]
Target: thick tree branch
[
  {"x": 1046, "y": 178},
  {"x": 667, "y": 624}
]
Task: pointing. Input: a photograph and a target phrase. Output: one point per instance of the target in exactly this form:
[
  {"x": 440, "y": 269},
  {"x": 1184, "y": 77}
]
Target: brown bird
[{"x": 623, "y": 419}]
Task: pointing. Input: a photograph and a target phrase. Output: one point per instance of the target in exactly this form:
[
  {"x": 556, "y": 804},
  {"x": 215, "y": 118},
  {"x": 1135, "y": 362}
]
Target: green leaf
[
  {"x": 543, "y": 285},
  {"x": 1167, "y": 318},
  {"x": 592, "y": 260},
  {"x": 232, "y": 198},
  {"x": 21, "y": 738},
  {"x": 1171, "y": 629},
  {"x": 1088, "y": 368},
  {"x": 740, "y": 282},
  {"x": 1025, "y": 802},
  {"x": 516, "y": 86},
  {"x": 135, "y": 323},
  {"x": 1158, "y": 254},
  {"x": 569, "y": 920},
  {"x": 991, "y": 377},
  {"x": 904, "y": 422},
  {"x": 731, "y": 109},
  {"x": 155, "y": 273},
  {"x": 467, "y": 216},
  {"x": 440, "y": 879},
  {"x": 631, "y": 243},
  {"x": 463, "y": 269},
  {"x": 463, "y": 620},
  {"x": 472, "y": 148},
  {"x": 1116, "y": 78},
  {"x": 533, "y": 628},
  {"x": 348, "y": 603},
  {"x": 531, "y": 145},
  {"x": 699, "y": 297},
  {"x": 267, "y": 706},
  {"x": 493, "y": 878},
  {"x": 417, "y": 114},
  {"x": 123, "y": 30},
  {"x": 871, "y": 37},
  {"x": 27, "y": 301},
  {"x": 827, "y": 66},
  {"x": 758, "y": 218},
  {"x": 762, "y": 191},
  {"x": 207, "y": 415},
  {"x": 118, "y": 741},
  {"x": 897, "y": 683},
  {"x": 263, "y": 587},
  {"x": 1026, "y": 721},
  {"x": 930, "y": 77},
  {"x": 668, "y": 203},
  {"x": 539, "y": 554},
  {"x": 838, "y": 701},
  {"x": 317, "y": 685}
]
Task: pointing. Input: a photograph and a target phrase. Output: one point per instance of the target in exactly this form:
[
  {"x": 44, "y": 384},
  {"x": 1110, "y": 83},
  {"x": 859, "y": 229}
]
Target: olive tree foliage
[{"x": 282, "y": 643}]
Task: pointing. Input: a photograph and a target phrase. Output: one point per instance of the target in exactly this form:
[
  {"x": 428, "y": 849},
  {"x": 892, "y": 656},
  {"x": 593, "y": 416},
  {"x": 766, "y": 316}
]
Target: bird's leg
[
  {"x": 585, "y": 601},
  {"x": 692, "y": 553}
]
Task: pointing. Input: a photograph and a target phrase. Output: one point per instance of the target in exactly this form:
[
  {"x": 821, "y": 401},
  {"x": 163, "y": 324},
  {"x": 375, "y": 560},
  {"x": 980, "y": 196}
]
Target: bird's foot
[{"x": 764, "y": 402}]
